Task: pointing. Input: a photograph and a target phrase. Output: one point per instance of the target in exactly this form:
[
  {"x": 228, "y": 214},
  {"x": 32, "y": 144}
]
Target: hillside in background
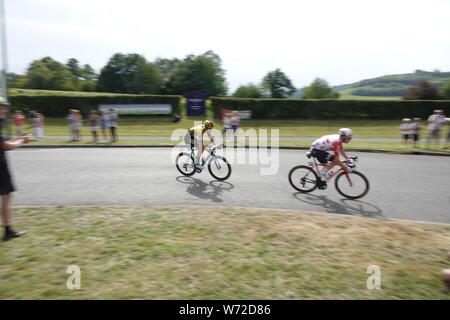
[{"x": 389, "y": 87}]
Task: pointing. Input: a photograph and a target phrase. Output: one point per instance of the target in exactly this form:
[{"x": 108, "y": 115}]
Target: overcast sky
[{"x": 341, "y": 41}]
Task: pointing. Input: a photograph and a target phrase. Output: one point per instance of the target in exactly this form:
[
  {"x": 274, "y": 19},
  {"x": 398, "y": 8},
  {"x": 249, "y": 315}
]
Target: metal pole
[{"x": 4, "y": 51}]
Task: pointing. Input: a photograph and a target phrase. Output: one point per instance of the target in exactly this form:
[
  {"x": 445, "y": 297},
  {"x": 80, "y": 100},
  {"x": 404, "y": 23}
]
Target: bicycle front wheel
[
  {"x": 219, "y": 168},
  {"x": 303, "y": 179},
  {"x": 352, "y": 185},
  {"x": 185, "y": 164}
]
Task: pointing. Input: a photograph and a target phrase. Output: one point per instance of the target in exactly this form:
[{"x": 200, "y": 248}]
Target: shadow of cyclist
[
  {"x": 345, "y": 206},
  {"x": 202, "y": 190}
]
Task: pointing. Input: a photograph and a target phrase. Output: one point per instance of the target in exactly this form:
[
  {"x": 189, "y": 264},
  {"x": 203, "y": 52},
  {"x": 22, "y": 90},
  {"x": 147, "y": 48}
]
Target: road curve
[{"x": 402, "y": 186}]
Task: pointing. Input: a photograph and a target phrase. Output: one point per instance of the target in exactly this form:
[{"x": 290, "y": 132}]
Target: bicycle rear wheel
[
  {"x": 303, "y": 179},
  {"x": 352, "y": 185},
  {"x": 219, "y": 168},
  {"x": 185, "y": 164}
]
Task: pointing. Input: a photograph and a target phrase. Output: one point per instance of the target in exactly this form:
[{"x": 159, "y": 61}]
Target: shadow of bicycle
[
  {"x": 344, "y": 206},
  {"x": 202, "y": 190}
]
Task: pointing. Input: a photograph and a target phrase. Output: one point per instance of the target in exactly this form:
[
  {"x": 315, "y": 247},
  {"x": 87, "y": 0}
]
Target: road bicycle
[
  {"x": 352, "y": 185},
  {"x": 218, "y": 166}
]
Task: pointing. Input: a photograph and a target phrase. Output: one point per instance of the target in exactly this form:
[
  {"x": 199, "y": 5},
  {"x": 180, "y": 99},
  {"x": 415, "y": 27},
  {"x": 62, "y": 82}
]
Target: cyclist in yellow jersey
[{"x": 194, "y": 139}]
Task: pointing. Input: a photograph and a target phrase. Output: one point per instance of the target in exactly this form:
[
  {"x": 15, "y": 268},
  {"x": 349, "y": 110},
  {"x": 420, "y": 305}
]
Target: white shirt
[
  {"x": 437, "y": 120},
  {"x": 328, "y": 142}
]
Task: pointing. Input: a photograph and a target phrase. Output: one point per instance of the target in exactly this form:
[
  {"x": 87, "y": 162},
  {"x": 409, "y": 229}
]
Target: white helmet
[{"x": 346, "y": 132}]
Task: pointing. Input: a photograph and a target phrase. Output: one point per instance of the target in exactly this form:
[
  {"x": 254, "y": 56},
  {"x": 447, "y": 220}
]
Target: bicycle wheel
[
  {"x": 219, "y": 168},
  {"x": 352, "y": 185},
  {"x": 303, "y": 179},
  {"x": 185, "y": 164}
]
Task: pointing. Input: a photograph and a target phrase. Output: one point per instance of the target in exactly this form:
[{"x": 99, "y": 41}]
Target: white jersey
[{"x": 328, "y": 142}]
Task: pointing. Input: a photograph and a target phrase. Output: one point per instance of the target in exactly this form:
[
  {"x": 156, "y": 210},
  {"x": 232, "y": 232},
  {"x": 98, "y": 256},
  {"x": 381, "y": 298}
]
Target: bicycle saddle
[{"x": 308, "y": 154}]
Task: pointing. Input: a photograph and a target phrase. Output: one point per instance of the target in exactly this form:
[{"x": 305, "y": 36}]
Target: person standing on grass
[
  {"x": 19, "y": 122},
  {"x": 235, "y": 121},
  {"x": 416, "y": 127},
  {"x": 38, "y": 126},
  {"x": 436, "y": 120},
  {"x": 94, "y": 120},
  {"x": 71, "y": 120},
  {"x": 447, "y": 120},
  {"x": 6, "y": 185},
  {"x": 113, "y": 119},
  {"x": 103, "y": 124},
  {"x": 406, "y": 130}
]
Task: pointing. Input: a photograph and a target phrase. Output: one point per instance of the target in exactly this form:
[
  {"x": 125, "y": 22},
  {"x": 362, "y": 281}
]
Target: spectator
[
  {"x": 94, "y": 120},
  {"x": 436, "y": 120},
  {"x": 235, "y": 120},
  {"x": 38, "y": 126},
  {"x": 71, "y": 120},
  {"x": 19, "y": 122},
  {"x": 226, "y": 125},
  {"x": 6, "y": 185},
  {"x": 416, "y": 127},
  {"x": 78, "y": 124},
  {"x": 448, "y": 133},
  {"x": 113, "y": 119},
  {"x": 406, "y": 130},
  {"x": 103, "y": 124}
]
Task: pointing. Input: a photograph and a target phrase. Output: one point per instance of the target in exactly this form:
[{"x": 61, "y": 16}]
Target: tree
[
  {"x": 278, "y": 84},
  {"x": 48, "y": 74},
  {"x": 445, "y": 92},
  {"x": 319, "y": 89},
  {"x": 129, "y": 74},
  {"x": 74, "y": 67},
  {"x": 424, "y": 90},
  {"x": 248, "y": 91},
  {"x": 203, "y": 73}
]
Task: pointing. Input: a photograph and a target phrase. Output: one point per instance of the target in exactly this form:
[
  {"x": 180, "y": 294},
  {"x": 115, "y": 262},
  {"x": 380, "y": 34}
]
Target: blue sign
[{"x": 195, "y": 103}]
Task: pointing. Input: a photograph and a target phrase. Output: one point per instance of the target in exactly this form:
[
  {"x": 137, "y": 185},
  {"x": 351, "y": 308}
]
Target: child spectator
[
  {"x": 406, "y": 130},
  {"x": 416, "y": 127}
]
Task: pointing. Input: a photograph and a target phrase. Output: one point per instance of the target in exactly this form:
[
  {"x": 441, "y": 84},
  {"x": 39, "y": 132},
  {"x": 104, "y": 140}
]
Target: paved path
[{"x": 402, "y": 186}]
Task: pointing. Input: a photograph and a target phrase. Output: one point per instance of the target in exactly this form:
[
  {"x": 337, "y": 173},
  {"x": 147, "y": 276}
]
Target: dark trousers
[{"x": 113, "y": 131}]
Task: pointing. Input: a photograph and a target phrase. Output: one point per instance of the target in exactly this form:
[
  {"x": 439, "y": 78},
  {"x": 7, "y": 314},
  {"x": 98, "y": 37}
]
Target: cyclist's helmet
[
  {"x": 208, "y": 124},
  {"x": 346, "y": 132}
]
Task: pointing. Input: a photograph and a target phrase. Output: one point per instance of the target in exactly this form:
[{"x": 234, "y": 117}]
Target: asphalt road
[{"x": 402, "y": 186}]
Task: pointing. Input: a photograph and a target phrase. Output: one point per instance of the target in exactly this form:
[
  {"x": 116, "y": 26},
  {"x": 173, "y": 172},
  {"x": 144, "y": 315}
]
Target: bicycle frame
[
  {"x": 211, "y": 154},
  {"x": 316, "y": 165}
]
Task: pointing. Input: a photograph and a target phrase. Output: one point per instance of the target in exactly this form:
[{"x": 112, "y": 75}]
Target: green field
[
  {"x": 219, "y": 253},
  {"x": 347, "y": 94},
  {"x": 163, "y": 127}
]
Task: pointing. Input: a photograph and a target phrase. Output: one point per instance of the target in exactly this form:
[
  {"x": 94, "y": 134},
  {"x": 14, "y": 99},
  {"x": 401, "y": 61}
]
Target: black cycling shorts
[{"x": 323, "y": 156}]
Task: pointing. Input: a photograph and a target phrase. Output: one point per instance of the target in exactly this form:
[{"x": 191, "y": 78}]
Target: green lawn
[
  {"x": 219, "y": 253},
  {"x": 152, "y": 126}
]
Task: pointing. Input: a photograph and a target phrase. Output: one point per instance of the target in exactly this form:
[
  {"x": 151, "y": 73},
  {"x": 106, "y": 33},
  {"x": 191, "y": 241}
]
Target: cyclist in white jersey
[{"x": 332, "y": 142}]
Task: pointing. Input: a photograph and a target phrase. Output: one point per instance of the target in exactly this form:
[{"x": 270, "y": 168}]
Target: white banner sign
[{"x": 137, "y": 108}]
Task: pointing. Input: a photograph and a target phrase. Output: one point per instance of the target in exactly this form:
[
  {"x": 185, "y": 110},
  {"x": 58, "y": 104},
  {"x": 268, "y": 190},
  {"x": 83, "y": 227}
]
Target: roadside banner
[
  {"x": 195, "y": 103},
  {"x": 134, "y": 109}
]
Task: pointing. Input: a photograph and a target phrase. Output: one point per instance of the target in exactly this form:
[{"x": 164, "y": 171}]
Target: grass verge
[{"x": 219, "y": 253}]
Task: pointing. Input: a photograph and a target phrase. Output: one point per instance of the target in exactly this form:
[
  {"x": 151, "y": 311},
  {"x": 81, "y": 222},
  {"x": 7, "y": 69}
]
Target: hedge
[
  {"x": 330, "y": 109},
  {"x": 58, "y": 105}
]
